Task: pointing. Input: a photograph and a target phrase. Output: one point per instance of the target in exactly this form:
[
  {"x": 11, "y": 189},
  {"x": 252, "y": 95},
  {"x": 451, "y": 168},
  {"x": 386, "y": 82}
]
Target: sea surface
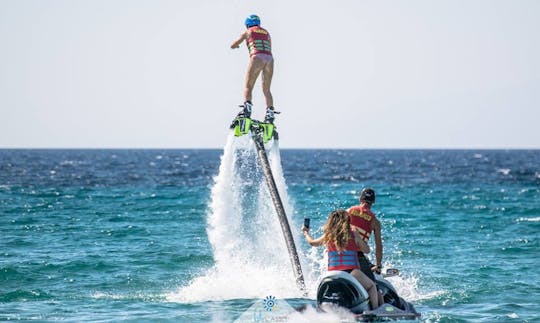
[{"x": 192, "y": 236}]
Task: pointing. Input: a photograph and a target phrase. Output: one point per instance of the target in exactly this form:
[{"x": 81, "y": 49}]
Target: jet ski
[{"x": 341, "y": 289}]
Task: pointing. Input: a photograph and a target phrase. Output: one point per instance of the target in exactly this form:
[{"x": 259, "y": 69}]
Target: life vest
[
  {"x": 346, "y": 259},
  {"x": 361, "y": 218},
  {"x": 258, "y": 41}
]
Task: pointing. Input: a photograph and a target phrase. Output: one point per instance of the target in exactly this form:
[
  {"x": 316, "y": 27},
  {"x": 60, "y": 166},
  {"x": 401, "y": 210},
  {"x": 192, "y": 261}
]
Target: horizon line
[{"x": 281, "y": 148}]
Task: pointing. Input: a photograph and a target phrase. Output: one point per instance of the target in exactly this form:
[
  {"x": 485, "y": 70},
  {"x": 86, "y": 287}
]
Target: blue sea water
[{"x": 188, "y": 235}]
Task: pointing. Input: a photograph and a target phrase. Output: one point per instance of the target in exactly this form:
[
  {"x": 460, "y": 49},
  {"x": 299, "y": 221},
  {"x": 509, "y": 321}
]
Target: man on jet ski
[
  {"x": 343, "y": 247},
  {"x": 364, "y": 222}
]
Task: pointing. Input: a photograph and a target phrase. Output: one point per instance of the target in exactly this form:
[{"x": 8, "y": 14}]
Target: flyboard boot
[
  {"x": 242, "y": 122},
  {"x": 270, "y": 115},
  {"x": 268, "y": 127}
]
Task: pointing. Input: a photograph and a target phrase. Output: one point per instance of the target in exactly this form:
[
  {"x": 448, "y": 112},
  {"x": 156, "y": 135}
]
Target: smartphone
[{"x": 306, "y": 222}]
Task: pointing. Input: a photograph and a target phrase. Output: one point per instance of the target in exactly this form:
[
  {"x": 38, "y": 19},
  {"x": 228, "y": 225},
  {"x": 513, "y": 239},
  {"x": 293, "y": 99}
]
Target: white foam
[
  {"x": 504, "y": 171},
  {"x": 407, "y": 288},
  {"x": 330, "y": 314},
  {"x": 535, "y": 219},
  {"x": 251, "y": 258}
]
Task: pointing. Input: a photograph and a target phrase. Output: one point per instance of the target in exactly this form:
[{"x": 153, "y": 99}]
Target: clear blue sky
[{"x": 348, "y": 74}]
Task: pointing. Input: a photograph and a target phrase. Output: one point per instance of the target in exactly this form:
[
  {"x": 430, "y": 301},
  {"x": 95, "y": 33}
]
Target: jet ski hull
[{"x": 339, "y": 288}]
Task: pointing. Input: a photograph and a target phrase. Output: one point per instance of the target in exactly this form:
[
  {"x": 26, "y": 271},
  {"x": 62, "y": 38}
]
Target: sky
[{"x": 348, "y": 73}]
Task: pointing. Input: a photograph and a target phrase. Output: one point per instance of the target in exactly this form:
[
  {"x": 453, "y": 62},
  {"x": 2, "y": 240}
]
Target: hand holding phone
[{"x": 306, "y": 223}]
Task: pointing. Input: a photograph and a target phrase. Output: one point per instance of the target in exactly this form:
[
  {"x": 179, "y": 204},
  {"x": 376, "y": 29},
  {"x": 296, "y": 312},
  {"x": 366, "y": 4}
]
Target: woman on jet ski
[{"x": 343, "y": 245}]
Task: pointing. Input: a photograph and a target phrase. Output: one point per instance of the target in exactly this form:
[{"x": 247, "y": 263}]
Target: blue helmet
[{"x": 253, "y": 20}]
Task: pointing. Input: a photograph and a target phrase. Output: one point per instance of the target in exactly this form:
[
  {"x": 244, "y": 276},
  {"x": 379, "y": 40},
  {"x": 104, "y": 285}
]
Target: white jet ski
[{"x": 339, "y": 288}]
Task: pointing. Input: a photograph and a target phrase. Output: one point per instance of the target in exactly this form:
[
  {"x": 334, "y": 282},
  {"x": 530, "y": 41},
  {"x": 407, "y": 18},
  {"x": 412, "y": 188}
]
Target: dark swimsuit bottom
[{"x": 365, "y": 266}]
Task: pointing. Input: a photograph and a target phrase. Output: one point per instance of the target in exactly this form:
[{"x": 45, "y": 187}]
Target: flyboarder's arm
[
  {"x": 378, "y": 241},
  {"x": 240, "y": 39},
  {"x": 313, "y": 242},
  {"x": 362, "y": 245}
]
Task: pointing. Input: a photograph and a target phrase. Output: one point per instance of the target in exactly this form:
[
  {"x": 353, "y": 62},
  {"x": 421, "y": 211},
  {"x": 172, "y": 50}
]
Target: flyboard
[{"x": 261, "y": 133}]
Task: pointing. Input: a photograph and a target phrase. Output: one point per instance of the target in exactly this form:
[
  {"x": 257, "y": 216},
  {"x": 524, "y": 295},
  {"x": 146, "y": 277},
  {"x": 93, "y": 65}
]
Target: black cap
[{"x": 367, "y": 195}]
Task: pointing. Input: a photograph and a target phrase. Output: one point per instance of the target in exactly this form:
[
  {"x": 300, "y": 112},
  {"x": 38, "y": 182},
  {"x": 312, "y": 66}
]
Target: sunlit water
[{"x": 191, "y": 235}]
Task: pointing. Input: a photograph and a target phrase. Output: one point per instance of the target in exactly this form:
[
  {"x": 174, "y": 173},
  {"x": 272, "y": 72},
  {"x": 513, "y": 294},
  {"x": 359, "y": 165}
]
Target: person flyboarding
[{"x": 259, "y": 45}]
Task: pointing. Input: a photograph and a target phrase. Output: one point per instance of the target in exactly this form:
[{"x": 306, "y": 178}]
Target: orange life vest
[
  {"x": 344, "y": 260},
  {"x": 259, "y": 41},
  {"x": 361, "y": 218}
]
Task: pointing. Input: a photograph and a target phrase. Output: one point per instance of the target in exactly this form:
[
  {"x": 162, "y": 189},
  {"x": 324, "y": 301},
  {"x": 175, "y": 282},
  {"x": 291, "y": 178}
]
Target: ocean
[{"x": 191, "y": 235}]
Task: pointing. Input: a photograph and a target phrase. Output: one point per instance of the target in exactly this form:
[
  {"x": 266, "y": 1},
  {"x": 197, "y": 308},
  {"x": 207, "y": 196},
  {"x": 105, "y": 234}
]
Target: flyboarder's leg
[
  {"x": 255, "y": 67},
  {"x": 267, "y": 73},
  {"x": 257, "y": 64}
]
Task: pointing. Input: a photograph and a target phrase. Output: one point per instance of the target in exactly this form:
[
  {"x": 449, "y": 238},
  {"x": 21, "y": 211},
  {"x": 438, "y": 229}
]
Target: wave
[
  {"x": 523, "y": 219},
  {"x": 21, "y": 295},
  {"x": 10, "y": 274},
  {"x": 133, "y": 296}
]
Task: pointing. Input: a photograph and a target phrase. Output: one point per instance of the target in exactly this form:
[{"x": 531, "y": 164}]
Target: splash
[
  {"x": 251, "y": 258},
  {"x": 407, "y": 288},
  {"x": 329, "y": 315}
]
